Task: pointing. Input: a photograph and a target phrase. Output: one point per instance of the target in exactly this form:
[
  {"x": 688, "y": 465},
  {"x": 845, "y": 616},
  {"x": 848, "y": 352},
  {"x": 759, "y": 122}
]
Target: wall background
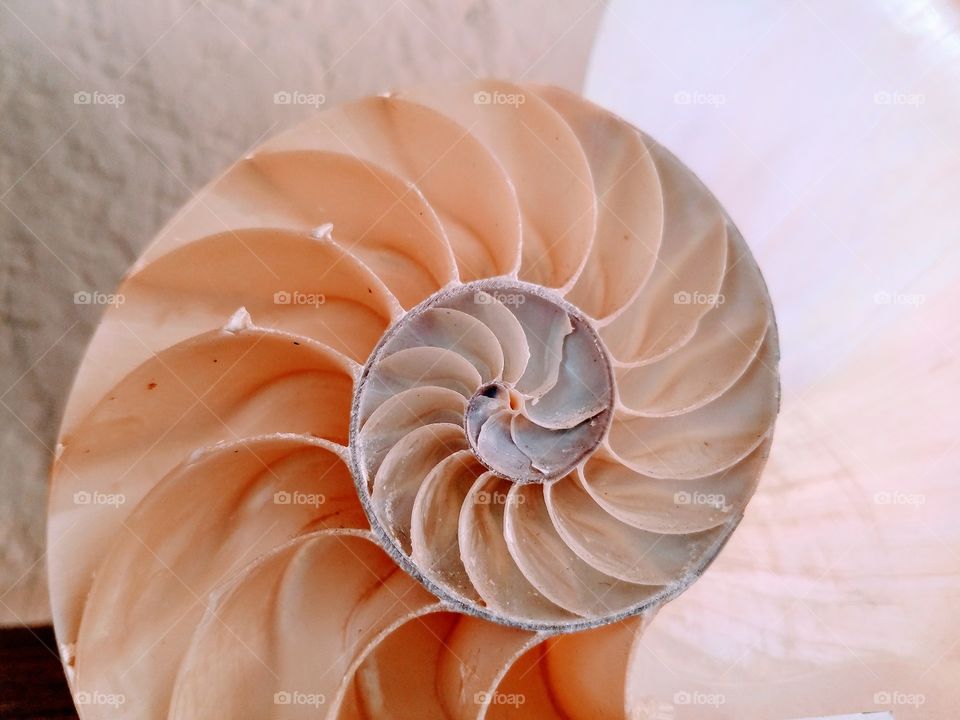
[
  {"x": 828, "y": 130},
  {"x": 86, "y": 180}
]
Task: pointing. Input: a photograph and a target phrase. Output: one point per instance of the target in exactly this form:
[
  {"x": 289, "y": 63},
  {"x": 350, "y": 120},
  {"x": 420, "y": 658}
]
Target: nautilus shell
[{"x": 420, "y": 410}]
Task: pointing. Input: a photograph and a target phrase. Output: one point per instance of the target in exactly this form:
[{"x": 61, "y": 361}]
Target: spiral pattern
[{"x": 489, "y": 334}]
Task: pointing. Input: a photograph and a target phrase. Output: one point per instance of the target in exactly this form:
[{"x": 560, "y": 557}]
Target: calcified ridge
[{"x": 396, "y": 405}]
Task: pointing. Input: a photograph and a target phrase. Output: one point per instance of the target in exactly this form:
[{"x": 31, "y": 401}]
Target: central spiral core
[
  {"x": 541, "y": 426},
  {"x": 545, "y": 394}
]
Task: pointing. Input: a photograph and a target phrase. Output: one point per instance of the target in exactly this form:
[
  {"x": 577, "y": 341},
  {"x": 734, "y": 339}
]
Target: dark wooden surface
[{"x": 32, "y": 685}]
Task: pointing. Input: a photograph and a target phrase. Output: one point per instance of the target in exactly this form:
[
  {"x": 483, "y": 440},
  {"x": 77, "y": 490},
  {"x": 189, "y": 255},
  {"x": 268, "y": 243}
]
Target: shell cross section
[{"x": 441, "y": 374}]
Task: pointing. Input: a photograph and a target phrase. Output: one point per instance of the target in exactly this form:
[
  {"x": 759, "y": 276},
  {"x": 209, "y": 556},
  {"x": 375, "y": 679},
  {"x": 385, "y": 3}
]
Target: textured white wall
[{"x": 83, "y": 187}]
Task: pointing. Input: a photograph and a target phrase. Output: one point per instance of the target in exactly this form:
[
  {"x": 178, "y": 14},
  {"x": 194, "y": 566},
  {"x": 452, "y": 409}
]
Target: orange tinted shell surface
[{"x": 422, "y": 409}]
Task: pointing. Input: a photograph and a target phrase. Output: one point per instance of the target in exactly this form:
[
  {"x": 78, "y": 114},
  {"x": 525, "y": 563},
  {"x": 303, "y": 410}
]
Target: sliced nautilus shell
[{"x": 420, "y": 410}]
